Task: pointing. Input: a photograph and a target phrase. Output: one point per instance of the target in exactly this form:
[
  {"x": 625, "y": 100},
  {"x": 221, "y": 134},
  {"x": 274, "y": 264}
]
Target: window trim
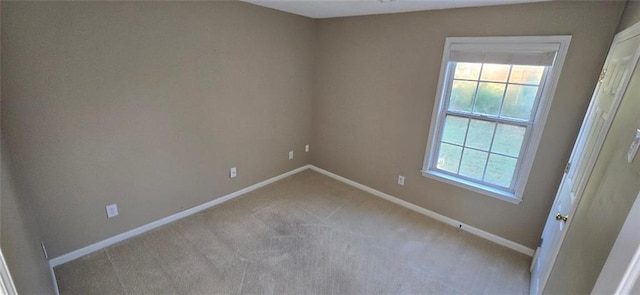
[{"x": 549, "y": 82}]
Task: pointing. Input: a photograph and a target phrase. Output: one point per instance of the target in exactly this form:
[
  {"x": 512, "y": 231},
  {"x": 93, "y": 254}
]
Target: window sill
[{"x": 478, "y": 188}]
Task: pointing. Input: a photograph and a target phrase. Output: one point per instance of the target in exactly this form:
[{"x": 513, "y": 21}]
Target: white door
[{"x": 613, "y": 81}]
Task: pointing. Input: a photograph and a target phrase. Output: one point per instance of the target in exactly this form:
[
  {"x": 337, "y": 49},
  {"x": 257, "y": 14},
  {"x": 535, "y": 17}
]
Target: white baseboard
[
  {"x": 160, "y": 222},
  {"x": 155, "y": 224},
  {"x": 473, "y": 230}
]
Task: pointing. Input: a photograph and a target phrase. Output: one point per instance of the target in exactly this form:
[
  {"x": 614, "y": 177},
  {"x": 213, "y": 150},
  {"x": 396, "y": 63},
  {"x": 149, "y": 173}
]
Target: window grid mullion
[
  {"x": 486, "y": 163},
  {"x": 480, "y": 150},
  {"x": 536, "y": 104},
  {"x": 521, "y": 156},
  {"x": 526, "y": 124},
  {"x": 464, "y": 144},
  {"x": 512, "y": 83},
  {"x": 504, "y": 93},
  {"x": 484, "y": 151},
  {"x": 475, "y": 93}
]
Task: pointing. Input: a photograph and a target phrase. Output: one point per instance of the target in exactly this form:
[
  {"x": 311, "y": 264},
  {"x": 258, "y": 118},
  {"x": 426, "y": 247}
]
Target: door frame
[
  {"x": 6, "y": 283},
  {"x": 626, "y": 34},
  {"x": 622, "y": 267}
]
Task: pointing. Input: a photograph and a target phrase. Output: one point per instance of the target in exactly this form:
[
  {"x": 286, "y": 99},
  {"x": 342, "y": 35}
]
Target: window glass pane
[
  {"x": 489, "y": 98},
  {"x": 526, "y": 74},
  {"x": 518, "y": 103},
  {"x": 462, "y": 93},
  {"x": 469, "y": 71},
  {"x": 480, "y": 134},
  {"x": 508, "y": 139},
  {"x": 500, "y": 170},
  {"x": 449, "y": 157},
  {"x": 455, "y": 129},
  {"x": 495, "y": 72},
  {"x": 473, "y": 163}
]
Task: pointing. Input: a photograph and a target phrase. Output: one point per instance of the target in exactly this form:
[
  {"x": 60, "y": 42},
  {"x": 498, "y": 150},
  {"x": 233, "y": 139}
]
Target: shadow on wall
[{"x": 20, "y": 237}]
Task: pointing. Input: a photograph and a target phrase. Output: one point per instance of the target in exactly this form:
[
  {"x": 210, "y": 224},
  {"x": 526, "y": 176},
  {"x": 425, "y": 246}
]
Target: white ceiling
[{"x": 338, "y": 8}]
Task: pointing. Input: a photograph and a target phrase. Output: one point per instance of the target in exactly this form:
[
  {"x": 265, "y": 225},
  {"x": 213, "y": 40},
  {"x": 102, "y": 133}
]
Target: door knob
[{"x": 560, "y": 217}]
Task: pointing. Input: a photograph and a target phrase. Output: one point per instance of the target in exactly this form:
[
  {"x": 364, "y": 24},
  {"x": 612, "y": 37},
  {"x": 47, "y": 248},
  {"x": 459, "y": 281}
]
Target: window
[{"x": 493, "y": 98}]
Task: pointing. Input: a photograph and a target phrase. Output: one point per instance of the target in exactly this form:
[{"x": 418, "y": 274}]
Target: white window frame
[{"x": 560, "y": 45}]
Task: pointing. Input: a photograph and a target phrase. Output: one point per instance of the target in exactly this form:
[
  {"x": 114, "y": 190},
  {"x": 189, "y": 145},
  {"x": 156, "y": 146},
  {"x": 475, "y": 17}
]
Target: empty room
[{"x": 320, "y": 147}]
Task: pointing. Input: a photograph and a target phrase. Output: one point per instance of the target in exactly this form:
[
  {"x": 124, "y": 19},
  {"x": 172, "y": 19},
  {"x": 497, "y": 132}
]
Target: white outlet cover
[
  {"x": 112, "y": 210},
  {"x": 306, "y": 148},
  {"x": 291, "y": 155},
  {"x": 400, "y": 180},
  {"x": 233, "y": 172}
]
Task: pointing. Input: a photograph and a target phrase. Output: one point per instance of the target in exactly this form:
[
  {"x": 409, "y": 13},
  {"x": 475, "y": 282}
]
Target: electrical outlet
[
  {"x": 232, "y": 173},
  {"x": 291, "y": 155},
  {"x": 306, "y": 148},
  {"x": 400, "y": 180},
  {"x": 112, "y": 210}
]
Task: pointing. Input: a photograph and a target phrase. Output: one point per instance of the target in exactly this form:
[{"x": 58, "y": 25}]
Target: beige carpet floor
[{"x": 306, "y": 234}]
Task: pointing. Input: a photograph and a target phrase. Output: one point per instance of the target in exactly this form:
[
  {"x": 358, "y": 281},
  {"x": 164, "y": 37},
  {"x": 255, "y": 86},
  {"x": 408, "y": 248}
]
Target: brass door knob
[{"x": 560, "y": 217}]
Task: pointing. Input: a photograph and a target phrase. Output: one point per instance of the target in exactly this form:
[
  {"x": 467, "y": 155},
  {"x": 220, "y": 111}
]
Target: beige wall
[
  {"x": 20, "y": 234},
  {"x": 148, "y": 105},
  {"x": 631, "y": 15},
  {"x": 21, "y": 238},
  {"x": 375, "y": 86},
  {"x": 611, "y": 190}
]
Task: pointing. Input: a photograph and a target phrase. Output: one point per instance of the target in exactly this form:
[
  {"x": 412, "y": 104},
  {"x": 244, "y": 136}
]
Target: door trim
[
  {"x": 6, "y": 282},
  {"x": 622, "y": 267},
  {"x": 619, "y": 37}
]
